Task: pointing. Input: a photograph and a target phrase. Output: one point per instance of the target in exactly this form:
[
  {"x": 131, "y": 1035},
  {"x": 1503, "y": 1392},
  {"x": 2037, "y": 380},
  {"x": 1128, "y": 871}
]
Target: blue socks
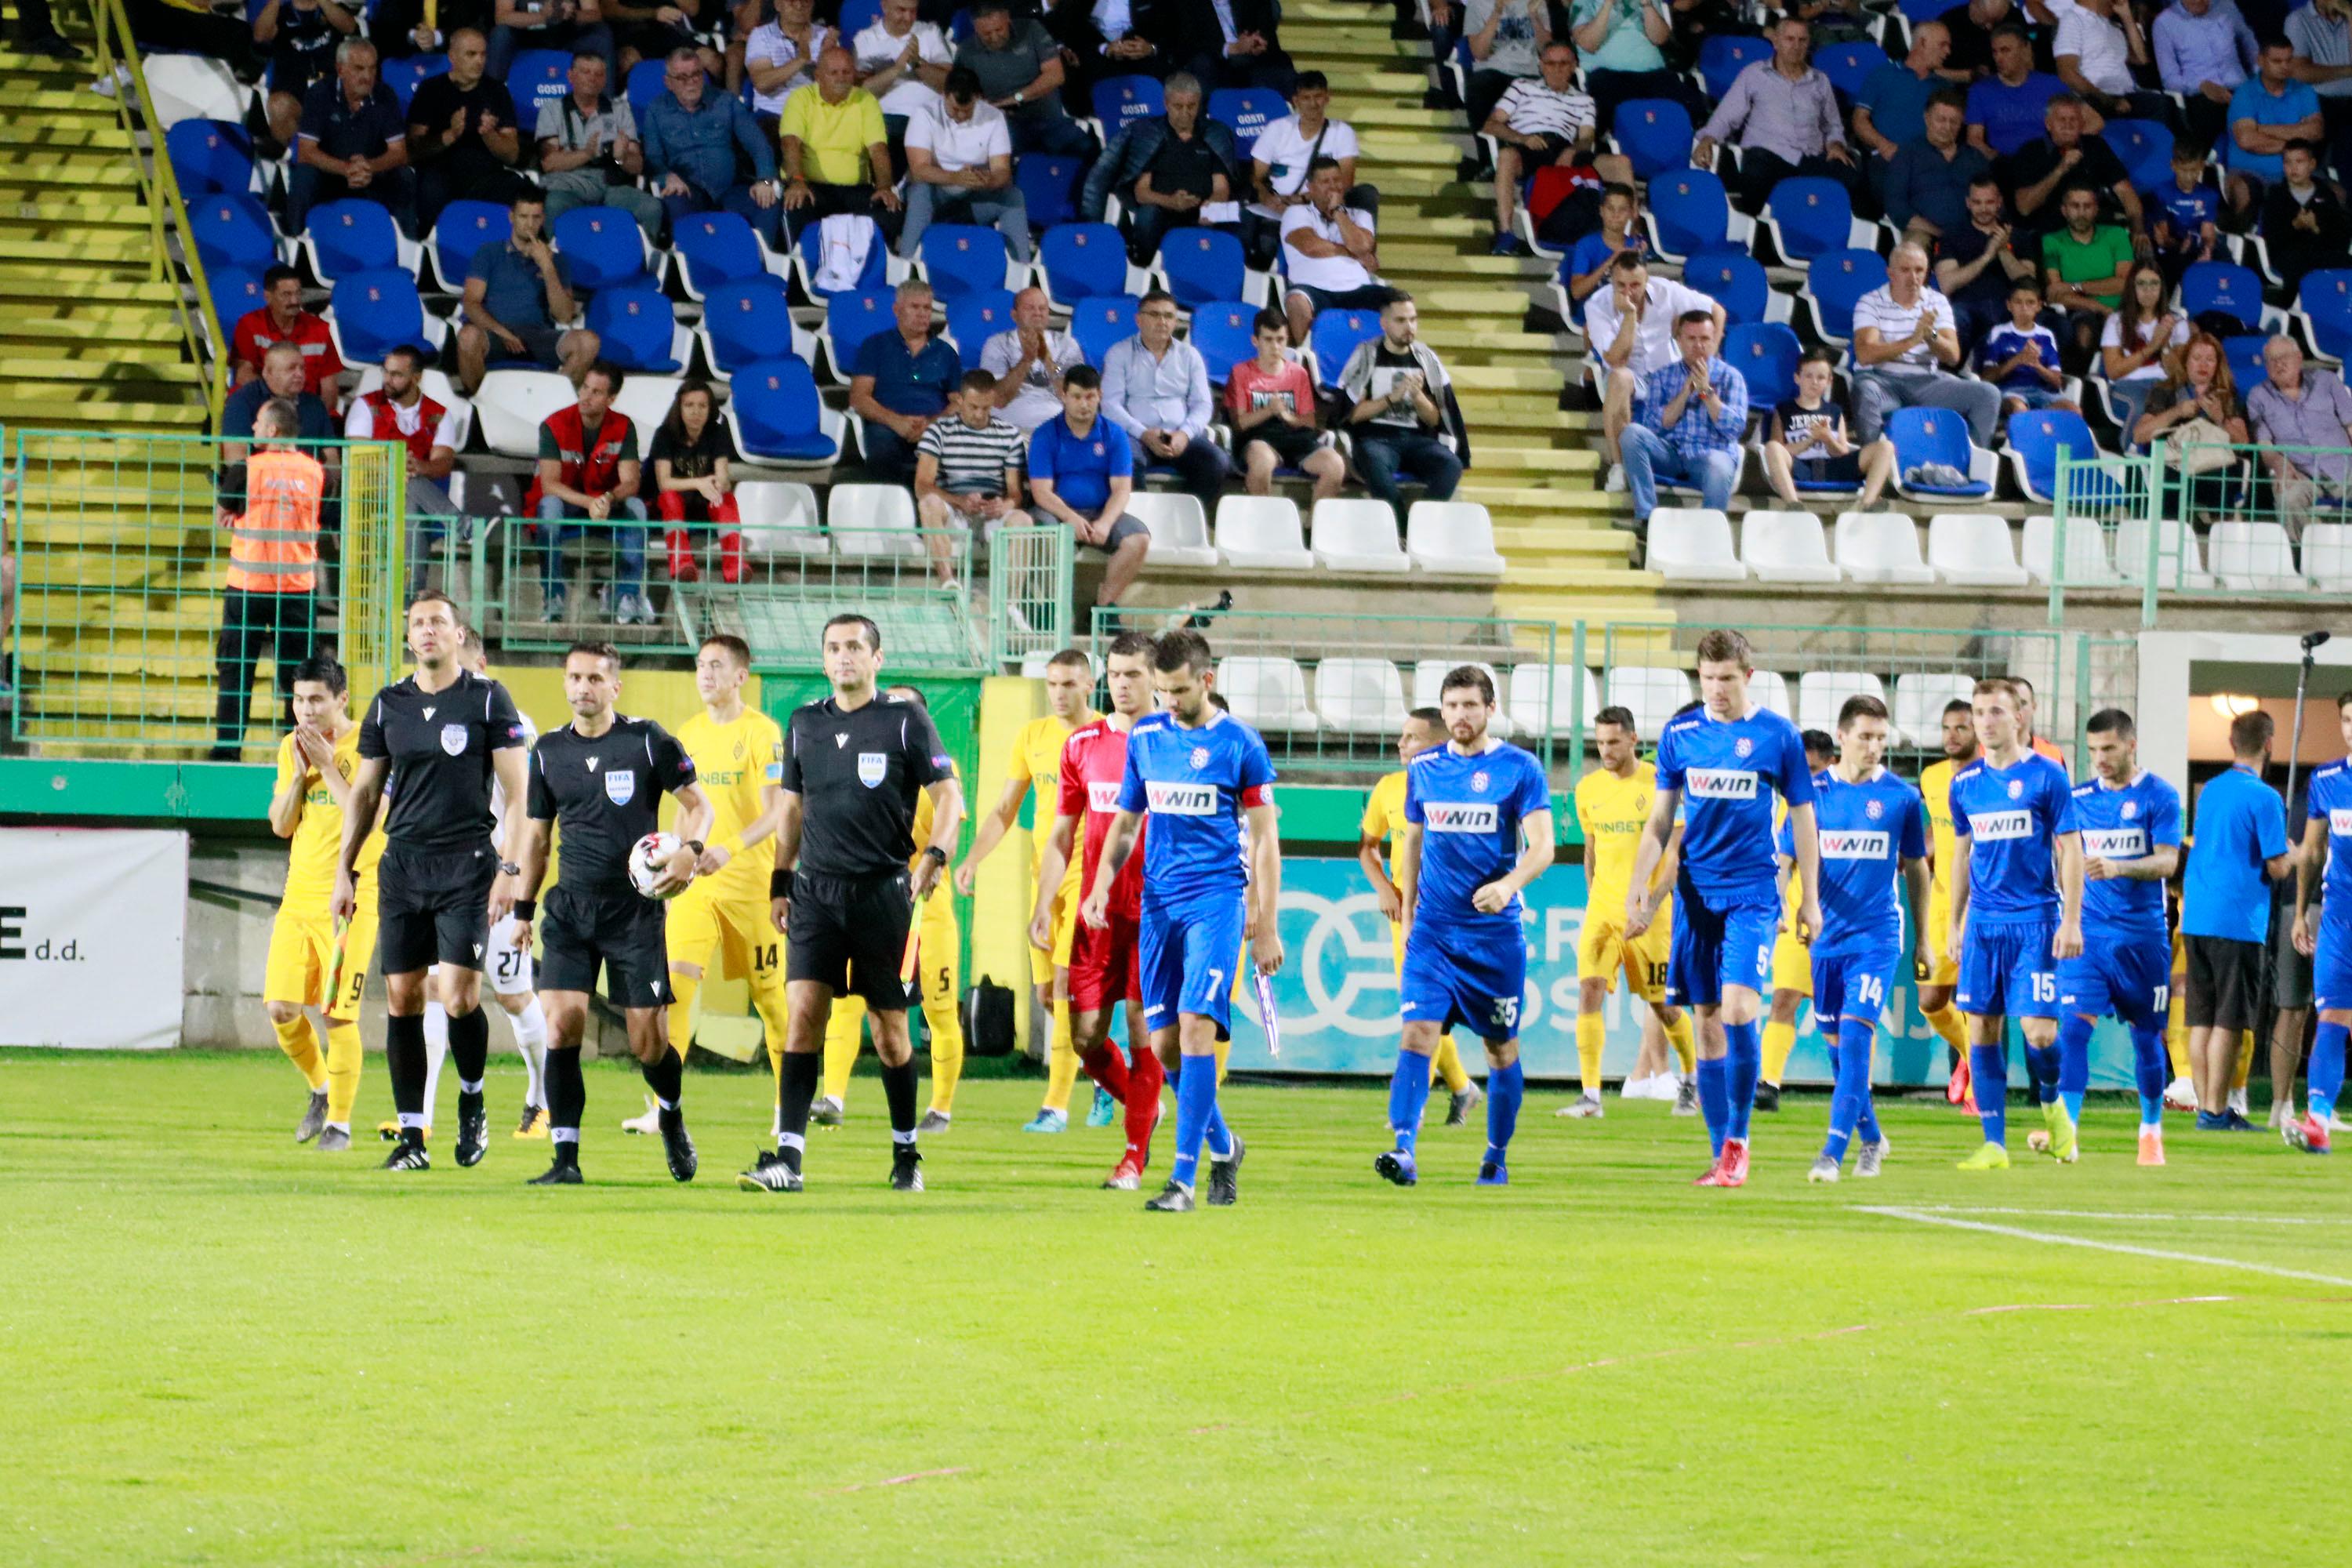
[
  {"x": 1408, "y": 1097},
  {"x": 2074, "y": 1062},
  {"x": 1850, "y": 1103},
  {"x": 2326, "y": 1070},
  {"x": 1219, "y": 1137},
  {"x": 1988, "y": 1080},
  {"x": 2151, "y": 1069},
  {"x": 1744, "y": 1051},
  {"x": 2041, "y": 1071},
  {"x": 1714, "y": 1098},
  {"x": 1506, "y": 1087},
  {"x": 1196, "y": 1105}
]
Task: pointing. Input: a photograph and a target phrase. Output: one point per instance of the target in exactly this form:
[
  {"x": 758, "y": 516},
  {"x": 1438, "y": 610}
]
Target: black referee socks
[
  {"x": 469, "y": 1045},
  {"x": 666, "y": 1076},
  {"x": 567, "y": 1091},
  {"x": 898, "y": 1088},
  {"x": 404, "y": 1061},
  {"x": 796, "y": 1090}
]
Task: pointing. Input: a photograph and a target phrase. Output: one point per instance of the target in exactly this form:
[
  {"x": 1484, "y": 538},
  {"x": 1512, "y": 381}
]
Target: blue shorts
[
  {"x": 2331, "y": 967},
  {"x": 2006, "y": 971},
  {"x": 1476, "y": 979},
  {"x": 1728, "y": 944},
  {"x": 2124, "y": 977},
  {"x": 1856, "y": 981},
  {"x": 1188, "y": 963}
]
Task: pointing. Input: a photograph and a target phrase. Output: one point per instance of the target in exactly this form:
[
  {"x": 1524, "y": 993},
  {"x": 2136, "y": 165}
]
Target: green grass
[{"x": 217, "y": 1347}]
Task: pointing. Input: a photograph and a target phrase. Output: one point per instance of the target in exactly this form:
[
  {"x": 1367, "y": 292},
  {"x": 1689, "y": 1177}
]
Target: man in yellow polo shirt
[
  {"x": 836, "y": 153},
  {"x": 1383, "y": 821}
]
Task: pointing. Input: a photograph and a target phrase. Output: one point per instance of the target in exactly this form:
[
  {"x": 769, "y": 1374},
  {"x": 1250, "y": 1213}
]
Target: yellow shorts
[
  {"x": 302, "y": 955},
  {"x": 1041, "y": 963},
  {"x": 938, "y": 948},
  {"x": 1603, "y": 951},
  {"x": 1943, "y": 971},
  {"x": 1793, "y": 965},
  {"x": 737, "y": 925}
]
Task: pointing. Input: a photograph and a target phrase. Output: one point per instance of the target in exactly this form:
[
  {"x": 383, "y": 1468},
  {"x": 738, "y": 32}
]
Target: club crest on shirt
[
  {"x": 2016, "y": 789},
  {"x": 453, "y": 738},
  {"x": 1742, "y": 746},
  {"x": 872, "y": 768},
  {"x": 621, "y": 787},
  {"x": 1875, "y": 810},
  {"x": 1478, "y": 782},
  {"x": 2131, "y": 809},
  {"x": 1199, "y": 759},
  {"x": 1640, "y": 803}
]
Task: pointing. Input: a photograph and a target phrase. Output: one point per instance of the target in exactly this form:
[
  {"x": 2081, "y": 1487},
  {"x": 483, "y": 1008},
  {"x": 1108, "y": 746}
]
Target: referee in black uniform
[
  {"x": 601, "y": 777},
  {"x": 854, "y": 764},
  {"x": 435, "y": 741}
]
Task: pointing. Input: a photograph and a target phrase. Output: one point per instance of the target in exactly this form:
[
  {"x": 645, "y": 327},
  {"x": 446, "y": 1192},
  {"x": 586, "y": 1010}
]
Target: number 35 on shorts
[{"x": 1505, "y": 1014}]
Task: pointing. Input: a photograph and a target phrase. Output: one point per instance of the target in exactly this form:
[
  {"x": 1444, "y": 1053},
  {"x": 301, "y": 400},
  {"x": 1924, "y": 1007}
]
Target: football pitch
[{"x": 219, "y": 1347}]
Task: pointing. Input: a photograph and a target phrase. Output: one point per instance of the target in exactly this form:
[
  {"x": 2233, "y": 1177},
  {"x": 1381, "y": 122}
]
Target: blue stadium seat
[
  {"x": 1121, "y": 100},
  {"x": 856, "y": 15},
  {"x": 2325, "y": 304},
  {"x": 1655, "y": 133},
  {"x": 372, "y": 312},
  {"x": 963, "y": 258},
  {"x": 605, "y": 248},
  {"x": 1223, "y": 333},
  {"x": 463, "y": 228},
  {"x": 536, "y": 76},
  {"x": 1808, "y": 217},
  {"x": 1937, "y": 436},
  {"x": 1246, "y": 111},
  {"x": 2035, "y": 438},
  {"x": 2224, "y": 287},
  {"x": 806, "y": 260},
  {"x": 1049, "y": 187},
  {"x": 1733, "y": 279},
  {"x": 745, "y": 320},
  {"x": 645, "y": 85},
  {"x": 351, "y": 235},
  {"x": 235, "y": 293},
  {"x": 1099, "y": 323},
  {"x": 1834, "y": 283},
  {"x": 403, "y": 76},
  {"x": 209, "y": 155},
  {"x": 1335, "y": 337},
  {"x": 777, "y": 415},
  {"x": 1849, "y": 65},
  {"x": 1202, "y": 266},
  {"x": 1722, "y": 57},
  {"x": 639, "y": 333},
  {"x": 2145, "y": 148},
  {"x": 233, "y": 229},
  {"x": 1688, "y": 213},
  {"x": 714, "y": 249},
  {"x": 2244, "y": 353},
  {"x": 850, "y": 318},
  {"x": 1082, "y": 261},
  {"x": 1765, "y": 354},
  {"x": 976, "y": 316}
]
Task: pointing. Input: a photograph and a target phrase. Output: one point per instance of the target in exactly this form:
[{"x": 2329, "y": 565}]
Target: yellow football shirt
[
  {"x": 1935, "y": 784},
  {"x": 735, "y": 763},
  {"x": 317, "y": 842},
  {"x": 1384, "y": 808},
  {"x": 925, "y": 815},
  {"x": 1610, "y": 812},
  {"x": 1037, "y": 763}
]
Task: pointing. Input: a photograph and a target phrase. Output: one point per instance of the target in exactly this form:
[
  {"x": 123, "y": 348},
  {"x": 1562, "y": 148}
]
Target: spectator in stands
[
  {"x": 1977, "y": 265},
  {"x": 463, "y": 137},
  {"x": 1617, "y": 40},
  {"x": 1905, "y": 347},
  {"x": 901, "y": 381},
  {"x": 399, "y": 411},
  {"x": 1155, "y": 387},
  {"x": 2068, "y": 157},
  {"x": 2305, "y": 226},
  {"x": 1191, "y": 167},
  {"x": 1100, "y": 40},
  {"x": 697, "y": 142},
  {"x": 517, "y": 289},
  {"x": 960, "y": 169},
  {"x": 1281, "y": 157},
  {"x": 1537, "y": 120},
  {"x": 2201, "y": 388},
  {"x": 2084, "y": 265},
  {"x": 2203, "y": 50},
  {"x": 1025, "y": 363},
  {"x": 1236, "y": 43},
  {"x": 283, "y": 379},
  {"x": 1784, "y": 115},
  {"x": 1402, "y": 410},
  {"x": 399, "y": 30},
  {"x": 2097, "y": 43},
  {"x": 968, "y": 472},
  {"x": 1507, "y": 39},
  {"x": 1971, "y": 27},
  {"x": 2021, "y": 355},
  {"x": 1081, "y": 472},
  {"x": 280, "y": 319},
  {"x": 780, "y": 57},
  {"x": 904, "y": 62},
  {"x": 1891, "y": 109},
  {"x": 1631, "y": 325},
  {"x": 36, "y": 34},
  {"x": 1926, "y": 188},
  {"x": 1805, "y": 438},
  {"x": 650, "y": 30},
  {"x": 193, "y": 27},
  {"x": 589, "y": 472},
  {"x": 1688, "y": 422},
  {"x": 2321, "y": 35},
  {"x": 1020, "y": 70},
  {"x": 2006, "y": 109},
  {"x": 1271, "y": 403},
  {"x": 2303, "y": 419},
  {"x": 353, "y": 143},
  {"x": 693, "y": 458},
  {"x": 566, "y": 25},
  {"x": 588, "y": 154},
  {"x": 2186, "y": 226},
  {"x": 300, "y": 41},
  {"x": 270, "y": 600},
  {"x": 1331, "y": 254},
  {"x": 2269, "y": 110},
  {"x": 836, "y": 155},
  {"x": 1588, "y": 264}
]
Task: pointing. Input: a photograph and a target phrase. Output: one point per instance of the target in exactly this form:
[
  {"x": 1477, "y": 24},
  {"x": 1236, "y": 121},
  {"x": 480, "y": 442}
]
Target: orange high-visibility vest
[{"x": 274, "y": 547}]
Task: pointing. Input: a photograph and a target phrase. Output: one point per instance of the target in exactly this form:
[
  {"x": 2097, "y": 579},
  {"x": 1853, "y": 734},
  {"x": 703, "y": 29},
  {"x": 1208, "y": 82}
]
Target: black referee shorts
[
  {"x": 2225, "y": 982},
  {"x": 850, "y": 933},
  {"x": 433, "y": 907},
  {"x": 619, "y": 933}
]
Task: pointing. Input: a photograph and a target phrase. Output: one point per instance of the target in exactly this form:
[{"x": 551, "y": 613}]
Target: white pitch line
[
  {"x": 2132, "y": 1218},
  {"x": 1921, "y": 1217}
]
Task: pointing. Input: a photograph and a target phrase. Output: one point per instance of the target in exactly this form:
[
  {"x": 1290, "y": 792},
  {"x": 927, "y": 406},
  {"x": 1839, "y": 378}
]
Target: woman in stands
[
  {"x": 691, "y": 458},
  {"x": 2202, "y": 389},
  {"x": 2137, "y": 346}
]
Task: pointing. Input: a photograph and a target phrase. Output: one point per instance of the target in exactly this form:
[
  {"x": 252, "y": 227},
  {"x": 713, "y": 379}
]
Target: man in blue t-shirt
[
  {"x": 2017, "y": 913},
  {"x": 1586, "y": 271},
  {"x": 1082, "y": 471},
  {"x": 2225, "y": 906},
  {"x": 2006, "y": 109},
  {"x": 2130, "y": 825},
  {"x": 900, "y": 382},
  {"x": 2324, "y": 934},
  {"x": 1721, "y": 766},
  {"x": 1202, "y": 774},
  {"x": 2269, "y": 110},
  {"x": 1477, "y": 829}
]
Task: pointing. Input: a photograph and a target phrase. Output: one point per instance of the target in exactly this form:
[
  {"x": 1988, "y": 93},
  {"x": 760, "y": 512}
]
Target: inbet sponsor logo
[{"x": 1721, "y": 784}]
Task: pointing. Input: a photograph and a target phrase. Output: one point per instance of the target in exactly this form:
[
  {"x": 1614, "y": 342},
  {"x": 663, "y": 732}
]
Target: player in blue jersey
[
  {"x": 1873, "y": 828},
  {"x": 2325, "y": 933},
  {"x": 1477, "y": 829},
  {"x": 1201, "y": 774},
  {"x": 1728, "y": 759},
  {"x": 2130, "y": 827},
  {"x": 2017, "y": 911}
]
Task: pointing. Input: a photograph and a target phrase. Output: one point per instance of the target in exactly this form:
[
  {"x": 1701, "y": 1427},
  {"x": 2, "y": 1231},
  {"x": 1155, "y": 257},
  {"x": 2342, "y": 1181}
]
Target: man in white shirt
[
  {"x": 1028, "y": 358},
  {"x": 1279, "y": 159},
  {"x": 1331, "y": 254},
  {"x": 399, "y": 411},
  {"x": 960, "y": 168},
  {"x": 1155, "y": 387},
  {"x": 2097, "y": 45},
  {"x": 903, "y": 63},
  {"x": 1630, "y": 325},
  {"x": 781, "y": 55},
  {"x": 1904, "y": 340}
]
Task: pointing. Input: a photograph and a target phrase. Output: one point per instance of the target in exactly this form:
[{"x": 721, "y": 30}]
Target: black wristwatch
[
  {"x": 509, "y": 869},
  {"x": 695, "y": 845},
  {"x": 936, "y": 853}
]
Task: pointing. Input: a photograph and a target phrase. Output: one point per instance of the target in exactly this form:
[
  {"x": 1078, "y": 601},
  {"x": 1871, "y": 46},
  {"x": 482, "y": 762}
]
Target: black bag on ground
[{"x": 988, "y": 1019}]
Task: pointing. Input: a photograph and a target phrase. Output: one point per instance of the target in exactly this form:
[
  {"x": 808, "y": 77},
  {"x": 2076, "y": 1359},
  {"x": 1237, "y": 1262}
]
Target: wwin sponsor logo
[
  {"x": 1851, "y": 845},
  {"x": 2339, "y": 821},
  {"x": 1171, "y": 799},
  {"x": 2116, "y": 843},
  {"x": 1721, "y": 784},
  {"x": 1989, "y": 825},
  {"x": 1102, "y": 796},
  {"x": 1445, "y": 816}
]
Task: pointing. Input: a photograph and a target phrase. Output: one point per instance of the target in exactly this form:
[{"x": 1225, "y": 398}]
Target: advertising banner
[{"x": 92, "y": 936}]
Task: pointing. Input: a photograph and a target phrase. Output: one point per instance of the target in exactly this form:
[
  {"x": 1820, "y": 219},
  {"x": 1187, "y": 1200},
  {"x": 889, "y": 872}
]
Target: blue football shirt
[
  {"x": 1193, "y": 786},
  {"x": 2189, "y": 210},
  {"x": 1727, "y": 771},
  {"x": 2331, "y": 803},
  {"x": 2011, "y": 818},
  {"x": 2126, "y": 823},
  {"x": 1469, "y": 807},
  {"x": 2240, "y": 822},
  {"x": 1867, "y": 830}
]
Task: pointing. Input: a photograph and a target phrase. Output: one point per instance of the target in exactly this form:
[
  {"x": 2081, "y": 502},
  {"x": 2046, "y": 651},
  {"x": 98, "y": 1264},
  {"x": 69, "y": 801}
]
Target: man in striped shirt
[
  {"x": 1538, "y": 120},
  {"x": 967, "y": 471},
  {"x": 1688, "y": 425},
  {"x": 1904, "y": 337}
]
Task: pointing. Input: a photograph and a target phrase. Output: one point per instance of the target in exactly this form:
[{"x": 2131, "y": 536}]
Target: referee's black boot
[
  {"x": 473, "y": 1127},
  {"x": 564, "y": 1171},
  {"x": 906, "y": 1168},
  {"x": 677, "y": 1146},
  {"x": 408, "y": 1154}
]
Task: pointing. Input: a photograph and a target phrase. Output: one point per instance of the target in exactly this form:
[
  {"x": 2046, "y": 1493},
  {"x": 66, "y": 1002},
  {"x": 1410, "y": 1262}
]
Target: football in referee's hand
[{"x": 647, "y": 856}]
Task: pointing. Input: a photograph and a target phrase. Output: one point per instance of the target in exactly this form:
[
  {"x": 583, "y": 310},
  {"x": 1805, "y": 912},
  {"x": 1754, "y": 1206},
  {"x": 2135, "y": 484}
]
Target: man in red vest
[
  {"x": 399, "y": 411},
  {"x": 588, "y": 472},
  {"x": 272, "y": 574}
]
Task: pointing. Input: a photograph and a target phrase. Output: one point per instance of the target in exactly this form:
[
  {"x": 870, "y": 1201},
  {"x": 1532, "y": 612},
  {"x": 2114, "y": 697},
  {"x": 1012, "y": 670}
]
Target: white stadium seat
[
  {"x": 1919, "y": 700},
  {"x": 193, "y": 86},
  {"x": 1268, "y": 693},
  {"x": 2328, "y": 555},
  {"x": 646, "y": 399},
  {"x": 1429, "y": 682},
  {"x": 1769, "y": 688},
  {"x": 2179, "y": 559},
  {"x": 780, "y": 518},
  {"x": 2253, "y": 557},
  {"x": 1453, "y": 537},
  {"x": 1262, "y": 532},
  {"x": 1357, "y": 536},
  {"x": 1692, "y": 544},
  {"x": 1538, "y": 691},
  {"x": 1359, "y": 696},
  {"x": 513, "y": 404},
  {"x": 1787, "y": 547},
  {"x": 1652, "y": 696},
  {"x": 872, "y": 519},
  {"x": 1971, "y": 549},
  {"x": 2087, "y": 565},
  {"x": 1880, "y": 547},
  {"x": 1822, "y": 692},
  {"x": 1180, "y": 529}
]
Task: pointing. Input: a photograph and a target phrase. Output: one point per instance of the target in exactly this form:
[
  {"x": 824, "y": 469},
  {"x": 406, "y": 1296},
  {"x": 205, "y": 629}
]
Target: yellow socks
[
  {"x": 1947, "y": 1021},
  {"x": 1592, "y": 1040},
  {"x": 300, "y": 1044},
  {"x": 2175, "y": 1032},
  {"x": 681, "y": 1022},
  {"x": 1780, "y": 1039},
  {"x": 1224, "y": 1049},
  {"x": 2245, "y": 1061},
  {"x": 844, "y": 1033},
  {"x": 947, "y": 1051},
  {"x": 344, "y": 1054},
  {"x": 1448, "y": 1064},
  {"x": 1678, "y": 1034},
  {"x": 1061, "y": 1060}
]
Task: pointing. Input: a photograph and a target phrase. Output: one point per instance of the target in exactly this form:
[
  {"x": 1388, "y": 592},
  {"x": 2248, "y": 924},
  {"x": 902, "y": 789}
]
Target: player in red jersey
[{"x": 1103, "y": 962}]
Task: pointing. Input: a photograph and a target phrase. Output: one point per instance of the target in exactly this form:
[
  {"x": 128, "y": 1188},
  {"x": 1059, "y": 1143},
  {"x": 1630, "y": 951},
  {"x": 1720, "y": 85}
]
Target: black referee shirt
[
  {"x": 858, "y": 775},
  {"x": 606, "y": 795},
  {"x": 439, "y": 744}
]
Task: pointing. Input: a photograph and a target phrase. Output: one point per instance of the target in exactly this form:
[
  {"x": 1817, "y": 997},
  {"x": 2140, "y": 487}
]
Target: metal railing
[{"x": 1029, "y": 592}]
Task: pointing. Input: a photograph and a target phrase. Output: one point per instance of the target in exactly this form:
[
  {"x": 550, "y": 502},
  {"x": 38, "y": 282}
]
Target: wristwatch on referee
[
  {"x": 693, "y": 844},
  {"x": 936, "y": 853},
  {"x": 509, "y": 869}
]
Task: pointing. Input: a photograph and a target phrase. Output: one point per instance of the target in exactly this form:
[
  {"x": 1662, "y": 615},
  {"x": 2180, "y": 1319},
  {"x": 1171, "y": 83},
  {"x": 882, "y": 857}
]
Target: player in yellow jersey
[
  {"x": 1792, "y": 961},
  {"x": 938, "y": 965},
  {"x": 1612, "y": 804},
  {"x": 315, "y": 764},
  {"x": 1960, "y": 737},
  {"x": 1383, "y": 825},
  {"x": 1036, "y": 762}
]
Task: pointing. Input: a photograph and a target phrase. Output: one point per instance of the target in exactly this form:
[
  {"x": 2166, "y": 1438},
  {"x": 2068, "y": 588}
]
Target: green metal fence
[{"x": 1029, "y": 592}]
